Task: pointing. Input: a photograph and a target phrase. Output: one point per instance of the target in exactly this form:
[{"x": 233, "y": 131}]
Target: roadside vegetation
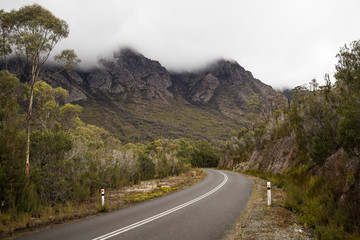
[
  {"x": 325, "y": 123},
  {"x": 72, "y": 160},
  {"x": 51, "y": 162}
]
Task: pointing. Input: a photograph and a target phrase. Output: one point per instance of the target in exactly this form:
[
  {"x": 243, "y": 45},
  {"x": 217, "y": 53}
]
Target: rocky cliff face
[
  {"x": 128, "y": 74},
  {"x": 225, "y": 86},
  {"x": 340, "y": 170},
  {"x": 144, "y": 97},
  {"x": 276, "y": 158}
]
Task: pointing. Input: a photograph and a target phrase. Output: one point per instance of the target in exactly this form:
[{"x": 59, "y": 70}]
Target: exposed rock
[
  {"x": 342, "y": 172},
  {"x": 225, "y": 86},
  {"x": 131, "y": 72},
  {"x": 134, "y": 95},
  {"x": 76, "y": 95},
  {"x": 205, "y": 90},
  {"x": 275, "y": 158},
  {"x": 75, "y": 77},
  {"x": 71, "y": 81},
  {"x": 100, "y": 79},
  {"x": 227, "y": 161}
]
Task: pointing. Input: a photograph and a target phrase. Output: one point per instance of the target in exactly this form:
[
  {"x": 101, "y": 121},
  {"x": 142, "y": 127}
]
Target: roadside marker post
[
  {"x": 269, "y": 193},
  {"x": 102, "y": 197}
]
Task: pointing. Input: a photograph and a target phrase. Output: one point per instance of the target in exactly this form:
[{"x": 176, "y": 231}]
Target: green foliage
[
  {"x": 205, "y": 155},
  {"x": 147, "y": 167},
  {"x": 255, "y": 103},
  {"x": 5, "y": 31},
  {"x": 32, "y": 33},
  {"x": 50, "y": 170},
  {"x": 71, "y": 160},
  {"x": 349, "y": 129},
  {"x": 69, "y": 115},
  {"x": 37, "y": 31},
  {"x": 347, "y": 69},
  {"x": 69, "y": 58},
  {"x": 348, "y": 82},
  {"x": 313, "y": 202},
  {"x": 11, "y": 93},
  {"x": 152, "y": 122},
  {"x": 49, "y": 146},
  {"x": 29, "y": 201},
  {"x": 12, "y": 141},
  {"x": 102, "y": 208},
  {"x": 323, "y": 120}
]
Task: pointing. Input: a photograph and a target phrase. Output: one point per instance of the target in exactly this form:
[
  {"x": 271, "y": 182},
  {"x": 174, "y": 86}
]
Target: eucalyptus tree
[
  {"x": 5, "y": 31},
  {"x": 35, "y": 31}
]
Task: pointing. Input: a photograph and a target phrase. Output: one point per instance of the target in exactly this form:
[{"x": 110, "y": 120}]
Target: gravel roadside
[{"x": 259, "y": 221}]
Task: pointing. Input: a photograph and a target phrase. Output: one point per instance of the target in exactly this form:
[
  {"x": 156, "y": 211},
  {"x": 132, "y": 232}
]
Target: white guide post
[
  {"x": 269, "y": 193},
  {"x": 102, "y": 197}
]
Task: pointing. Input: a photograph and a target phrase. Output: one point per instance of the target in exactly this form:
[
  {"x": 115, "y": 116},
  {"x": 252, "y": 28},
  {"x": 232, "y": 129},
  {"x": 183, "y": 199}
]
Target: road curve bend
[{"x": 203, "y": 211}]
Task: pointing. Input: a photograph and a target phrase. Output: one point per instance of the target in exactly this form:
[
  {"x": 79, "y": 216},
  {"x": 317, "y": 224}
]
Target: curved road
[{"x": 203, "y": 211}]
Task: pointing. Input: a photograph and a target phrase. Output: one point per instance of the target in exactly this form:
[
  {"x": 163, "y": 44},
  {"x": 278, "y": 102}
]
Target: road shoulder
[{"x": 258, "y": 221}]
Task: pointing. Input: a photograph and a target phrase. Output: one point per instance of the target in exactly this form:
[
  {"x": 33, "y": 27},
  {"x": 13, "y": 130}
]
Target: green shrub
[
  {"x": 294, "y": 198},
  {"x": 102, "y": 208},
  {"x": 147, "y": 167}
]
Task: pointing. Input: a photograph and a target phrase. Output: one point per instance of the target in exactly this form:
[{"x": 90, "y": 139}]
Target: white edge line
[{"x": 174, "y": 209}]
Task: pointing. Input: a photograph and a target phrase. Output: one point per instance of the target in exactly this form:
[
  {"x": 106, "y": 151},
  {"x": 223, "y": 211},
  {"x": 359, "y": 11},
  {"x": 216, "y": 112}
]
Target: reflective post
[
  {"x": 102, "y": 197},
  {"x": 268, "y": 193}
]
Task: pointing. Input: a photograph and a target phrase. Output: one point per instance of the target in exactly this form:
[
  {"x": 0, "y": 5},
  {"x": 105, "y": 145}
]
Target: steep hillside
[
  {"x": 137, "y": 99},
  {"x": 312, "y": 150}
]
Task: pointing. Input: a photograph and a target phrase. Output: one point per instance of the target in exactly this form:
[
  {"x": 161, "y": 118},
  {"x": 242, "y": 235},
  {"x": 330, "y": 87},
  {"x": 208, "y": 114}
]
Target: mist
[{"x": 283, "y": 43}]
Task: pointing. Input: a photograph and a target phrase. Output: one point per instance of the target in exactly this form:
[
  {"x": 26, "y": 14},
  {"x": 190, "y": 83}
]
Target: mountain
[
  {"x": 226, "y": 87},
  {"x": 138, "y": 99}
]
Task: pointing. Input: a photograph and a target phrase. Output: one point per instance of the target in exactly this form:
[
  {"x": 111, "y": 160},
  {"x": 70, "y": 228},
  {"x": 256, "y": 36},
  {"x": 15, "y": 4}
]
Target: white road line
[{"x": 150, "y": 219}]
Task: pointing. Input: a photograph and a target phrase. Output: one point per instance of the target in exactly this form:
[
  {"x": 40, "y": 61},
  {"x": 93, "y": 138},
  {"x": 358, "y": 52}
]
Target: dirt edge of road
[{"x": 260, "y": 221}]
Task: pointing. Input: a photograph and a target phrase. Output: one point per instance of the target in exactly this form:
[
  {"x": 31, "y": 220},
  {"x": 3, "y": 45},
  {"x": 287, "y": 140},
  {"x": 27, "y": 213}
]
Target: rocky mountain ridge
[{"x": 138, "y": 96}]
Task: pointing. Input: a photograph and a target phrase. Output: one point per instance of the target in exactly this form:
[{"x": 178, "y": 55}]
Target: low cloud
[{"x": 282, "y": 43}]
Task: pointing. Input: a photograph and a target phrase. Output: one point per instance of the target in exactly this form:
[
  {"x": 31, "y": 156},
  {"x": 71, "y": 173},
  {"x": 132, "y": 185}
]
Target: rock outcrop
[
  {"x": 132, "y": 94},
  {"x": 275, "y": 158},
  {"x": 341, "y": 171},
  {"x": 128, "y": 73},
  {"x": 225, "y": 86}
]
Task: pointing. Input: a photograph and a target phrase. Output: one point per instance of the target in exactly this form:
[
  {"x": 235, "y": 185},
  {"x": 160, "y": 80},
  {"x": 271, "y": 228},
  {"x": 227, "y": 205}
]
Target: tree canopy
[{"x": 32, "y": 33}]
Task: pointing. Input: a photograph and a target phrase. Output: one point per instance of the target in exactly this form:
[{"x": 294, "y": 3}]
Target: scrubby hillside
[
  {"x": 137, "y": 99},
  {"x": 313, "y": 145}
]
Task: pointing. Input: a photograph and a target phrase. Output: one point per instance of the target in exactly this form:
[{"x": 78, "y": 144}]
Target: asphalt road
[{"x": 203, "y": 211}]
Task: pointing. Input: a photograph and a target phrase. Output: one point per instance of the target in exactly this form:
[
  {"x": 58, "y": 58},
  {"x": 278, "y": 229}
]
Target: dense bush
[
  {"x": 71, "y": 160},
  {"x": 205, "y": 155}
]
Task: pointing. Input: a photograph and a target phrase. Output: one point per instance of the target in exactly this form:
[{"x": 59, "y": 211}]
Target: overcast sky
[{"x": 284, "y": 43}]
